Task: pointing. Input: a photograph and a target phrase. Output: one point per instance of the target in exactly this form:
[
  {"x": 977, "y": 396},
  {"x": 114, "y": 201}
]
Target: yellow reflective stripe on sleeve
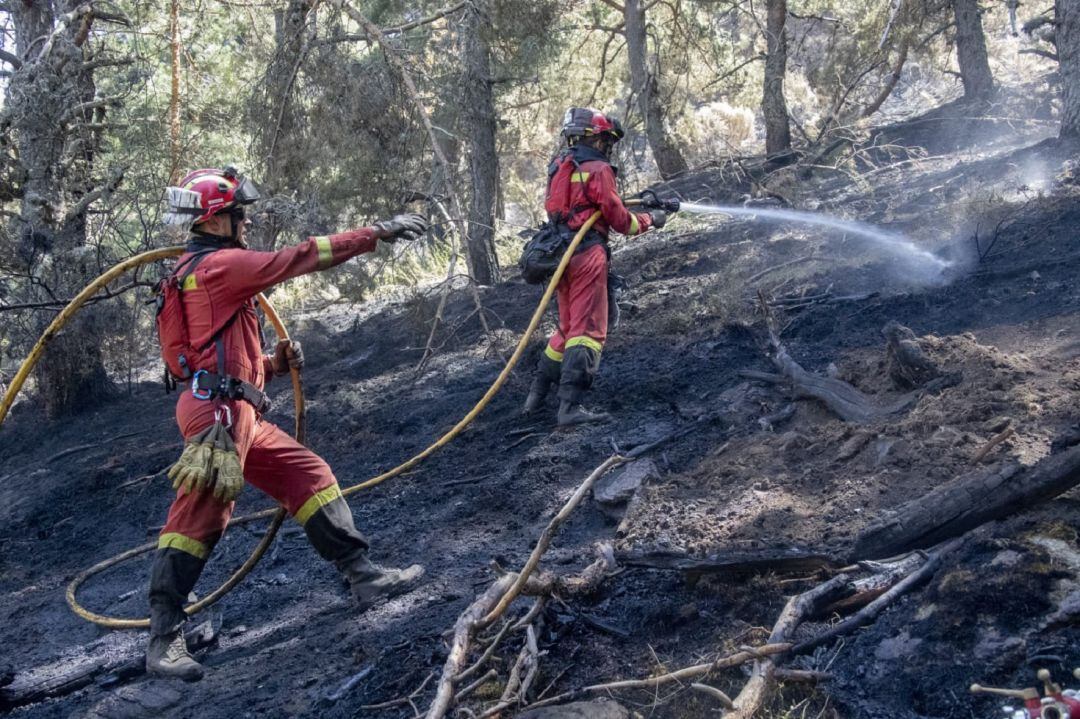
[
  {"x": 326, "y": 252},
  {"x": 634, "y": 226},
  {"x": 552, "y": 354},
  {"x": 189, "y": 282},
  {"x": 579, "y": 177},
  {"x": 172, "y": 540},
  {"x": 587, "y": 341},
  {"x": 320, "y": 499}
]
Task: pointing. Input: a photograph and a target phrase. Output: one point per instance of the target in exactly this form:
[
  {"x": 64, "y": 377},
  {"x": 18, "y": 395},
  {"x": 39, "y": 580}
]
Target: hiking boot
[
  {"x": 571, "y": 414},
  {"x": 537, "y": 394},
  {"x": 168, "y": 656},
  {"x": 370, "y": 583}
]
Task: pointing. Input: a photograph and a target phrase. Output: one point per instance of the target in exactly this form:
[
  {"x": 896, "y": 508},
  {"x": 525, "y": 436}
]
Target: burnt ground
[{"x": 1002, "y": 606}]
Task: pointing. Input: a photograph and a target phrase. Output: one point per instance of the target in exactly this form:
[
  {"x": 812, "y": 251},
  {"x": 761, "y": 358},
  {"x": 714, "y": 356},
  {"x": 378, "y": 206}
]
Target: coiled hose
[{"x": 278, "y": 515}]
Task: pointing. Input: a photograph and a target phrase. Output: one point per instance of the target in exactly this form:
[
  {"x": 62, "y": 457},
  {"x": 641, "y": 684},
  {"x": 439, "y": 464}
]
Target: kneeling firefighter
[
  {"x": 581, "y": 181},
  {"x": 211, "y": 340}
]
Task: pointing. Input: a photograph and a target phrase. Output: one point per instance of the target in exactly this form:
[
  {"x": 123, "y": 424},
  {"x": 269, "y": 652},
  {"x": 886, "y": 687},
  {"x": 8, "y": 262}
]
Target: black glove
[
  {"x": 288, "y": 353},
  {"x": 659, "y": 218},
  {"x": 407, "y": 227}
]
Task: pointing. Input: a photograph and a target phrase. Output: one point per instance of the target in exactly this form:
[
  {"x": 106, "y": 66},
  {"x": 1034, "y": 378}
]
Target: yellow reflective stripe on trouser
[
  {"x": 634, "y": 226},
  {"x": 317, "y": 500},
  {"x": 552, "y": 354},
  {"x": 172, "y": 540},
  {"x": 326, "y": 252},
  {"x": 579, "y": 177},
  {"x": 587, "y": 341}
]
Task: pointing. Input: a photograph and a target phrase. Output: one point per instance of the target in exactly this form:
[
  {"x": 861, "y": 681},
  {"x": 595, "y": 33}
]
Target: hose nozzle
[{"x": 652, "y": 201}]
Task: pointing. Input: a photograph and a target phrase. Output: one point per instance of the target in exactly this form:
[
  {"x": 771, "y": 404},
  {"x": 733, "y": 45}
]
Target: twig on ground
[
  {"x": 350, "y": 684},
  {"x": 782, "y": 265},
  {"x": 401, "y": 700},
  {"x": 491, "y": 674},
  {"x": 724, "y": 699},
  {"x": 92, "y": 445},
  {"x": 991, "y": 443}
]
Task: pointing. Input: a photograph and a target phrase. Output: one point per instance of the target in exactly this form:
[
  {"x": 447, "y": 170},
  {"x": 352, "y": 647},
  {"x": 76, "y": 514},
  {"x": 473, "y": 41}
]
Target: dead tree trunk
[
  {"x": 1068, "y": 50},
  {"x": 669, "y": 161},
  {"x": 479, "y": 124},
  {"x": 971, "y": 51},
  {"x": 967, "y": 502},
  {"x": 55, "y": 121}
]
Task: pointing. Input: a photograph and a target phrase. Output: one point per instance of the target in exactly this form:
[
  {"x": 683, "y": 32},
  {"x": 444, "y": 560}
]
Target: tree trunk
[
  {"x": 971, "y": 51},
  {"x": 174, "y": 93},
  {"x": 669, "y": 161},
  {"x": 56, "y": 151},
  {"x": 478, "y": 120},
  {"x": 773, "y": 105},
  {"x": 278, "y": 121},
  {"x": 1068, "y": 47}
]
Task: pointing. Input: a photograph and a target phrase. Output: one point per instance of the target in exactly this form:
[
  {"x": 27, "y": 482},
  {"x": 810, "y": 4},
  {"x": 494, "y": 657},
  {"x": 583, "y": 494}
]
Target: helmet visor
[{"x": 246, "y": 192}]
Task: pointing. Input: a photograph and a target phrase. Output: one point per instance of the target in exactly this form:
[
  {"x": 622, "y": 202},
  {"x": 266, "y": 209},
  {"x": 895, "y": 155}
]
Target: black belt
[{"x": 208, "y": 385}]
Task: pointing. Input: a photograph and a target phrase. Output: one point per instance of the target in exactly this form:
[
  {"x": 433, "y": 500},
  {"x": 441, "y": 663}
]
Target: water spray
[{"x": 893, "y": 244}]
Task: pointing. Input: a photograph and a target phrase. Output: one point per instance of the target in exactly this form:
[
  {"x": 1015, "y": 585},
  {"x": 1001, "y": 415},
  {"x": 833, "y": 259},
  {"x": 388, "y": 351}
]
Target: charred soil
[{"x": 1006, "y": 316}]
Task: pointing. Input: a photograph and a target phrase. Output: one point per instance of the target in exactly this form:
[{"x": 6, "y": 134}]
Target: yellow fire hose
[{"x": 277, "y": 514}]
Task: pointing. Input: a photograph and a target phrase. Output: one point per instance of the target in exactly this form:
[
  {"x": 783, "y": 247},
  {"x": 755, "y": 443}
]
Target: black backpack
[{"x": 543, "y": 252}]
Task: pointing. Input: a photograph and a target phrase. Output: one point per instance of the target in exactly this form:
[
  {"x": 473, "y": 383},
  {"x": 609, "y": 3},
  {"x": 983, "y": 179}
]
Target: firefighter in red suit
[
  {"x": 581, "y": 180},
  {"x": 220, "y": 280}
]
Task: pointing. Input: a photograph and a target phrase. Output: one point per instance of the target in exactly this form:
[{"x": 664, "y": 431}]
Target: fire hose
[{"x": 278, "y": 515}]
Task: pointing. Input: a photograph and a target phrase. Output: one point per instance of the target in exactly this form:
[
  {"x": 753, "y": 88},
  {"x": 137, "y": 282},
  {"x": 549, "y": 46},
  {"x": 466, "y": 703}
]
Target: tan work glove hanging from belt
[{"x": 209, "y": 461}]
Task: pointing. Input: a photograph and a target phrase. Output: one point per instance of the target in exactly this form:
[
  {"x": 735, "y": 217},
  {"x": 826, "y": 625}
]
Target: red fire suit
[
  {"x": 218, "y": 300},
  {"x": 582, "y": 181}
]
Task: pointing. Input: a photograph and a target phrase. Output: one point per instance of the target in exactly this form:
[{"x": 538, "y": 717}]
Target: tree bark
[
  {"x": 669, "y": 161},
  {"x": 278, "y": 121},
  {"x": 971, "y": 51},
  {"x": 1068, "y": 47},
  {"x": 478, "y": 115},
  {"x": 773, "y": 105},
  {"x": 57, "y": 151},
  {"x": 174, "y": 92}
]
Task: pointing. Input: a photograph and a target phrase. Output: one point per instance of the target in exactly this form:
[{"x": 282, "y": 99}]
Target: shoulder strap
[{"x": 188, "y": 266}]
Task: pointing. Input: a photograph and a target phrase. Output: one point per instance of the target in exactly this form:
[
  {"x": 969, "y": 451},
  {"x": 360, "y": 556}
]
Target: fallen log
[
  {"x": 844, "y": 400},
  {"x": 969, "y": 501},
  {"x": 866, "y": 589},
  {"x": 100, "y": 659},
  {"x": 870, "y": 612},
  {"x": 780, "y": 561}
]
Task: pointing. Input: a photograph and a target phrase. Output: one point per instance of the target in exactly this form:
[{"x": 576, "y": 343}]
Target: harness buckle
[{"x": 196, "y": 392}]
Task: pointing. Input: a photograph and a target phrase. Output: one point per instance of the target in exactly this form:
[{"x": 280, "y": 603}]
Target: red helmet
[
  {"x": 204, "y": 193},
  {"x": 585, "y": 122}
]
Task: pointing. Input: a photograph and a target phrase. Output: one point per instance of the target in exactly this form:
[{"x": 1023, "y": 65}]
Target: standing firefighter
[
  {"x": 210, "y": 338},
  {"x": 581, "y": 181}
]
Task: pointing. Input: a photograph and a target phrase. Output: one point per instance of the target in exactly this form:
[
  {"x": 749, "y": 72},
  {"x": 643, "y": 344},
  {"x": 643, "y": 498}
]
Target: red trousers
[
  {"x": 583, "y": 303},
  {"x": 583, "y": 323},
  {"x": 274, "y": 462}
]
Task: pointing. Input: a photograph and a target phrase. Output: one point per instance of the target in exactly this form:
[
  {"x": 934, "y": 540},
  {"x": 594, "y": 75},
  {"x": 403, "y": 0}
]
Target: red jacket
[
  {"x": 225, "y": 283},
  {"x": 582, "y": 181}
]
